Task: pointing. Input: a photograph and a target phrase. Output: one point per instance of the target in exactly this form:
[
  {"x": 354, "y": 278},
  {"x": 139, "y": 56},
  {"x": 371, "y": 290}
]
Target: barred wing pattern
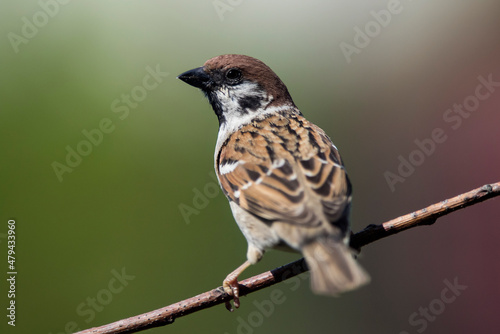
[{"x": 293, "y": 174}]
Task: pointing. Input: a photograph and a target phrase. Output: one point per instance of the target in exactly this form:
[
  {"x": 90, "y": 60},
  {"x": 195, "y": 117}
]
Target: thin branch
[{"x": 167, "y": 315}]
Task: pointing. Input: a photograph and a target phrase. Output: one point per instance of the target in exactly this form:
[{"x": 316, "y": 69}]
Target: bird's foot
[{"x": 231, "y": 287}]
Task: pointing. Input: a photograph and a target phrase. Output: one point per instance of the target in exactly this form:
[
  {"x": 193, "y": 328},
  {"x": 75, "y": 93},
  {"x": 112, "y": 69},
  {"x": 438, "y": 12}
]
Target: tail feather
[{"x": 333, "y": 267}]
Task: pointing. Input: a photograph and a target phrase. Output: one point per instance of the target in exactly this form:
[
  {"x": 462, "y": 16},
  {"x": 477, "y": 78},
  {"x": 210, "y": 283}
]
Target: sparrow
[{"x": 284, "y": 178}]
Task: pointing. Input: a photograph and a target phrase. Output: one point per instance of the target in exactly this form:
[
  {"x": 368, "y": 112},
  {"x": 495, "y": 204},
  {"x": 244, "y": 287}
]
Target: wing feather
[{"x": 291, "y": 173}]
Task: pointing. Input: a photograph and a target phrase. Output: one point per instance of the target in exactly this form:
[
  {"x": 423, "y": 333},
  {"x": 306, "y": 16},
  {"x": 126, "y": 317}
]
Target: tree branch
[{"x": 167, "y": 315}]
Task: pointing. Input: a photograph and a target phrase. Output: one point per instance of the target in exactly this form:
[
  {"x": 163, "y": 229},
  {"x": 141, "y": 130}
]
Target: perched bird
[{"x": 285, "y": 181}]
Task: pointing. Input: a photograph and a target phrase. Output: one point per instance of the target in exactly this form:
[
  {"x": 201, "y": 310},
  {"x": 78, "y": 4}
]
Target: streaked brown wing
[{"x": 287, "y": 170}]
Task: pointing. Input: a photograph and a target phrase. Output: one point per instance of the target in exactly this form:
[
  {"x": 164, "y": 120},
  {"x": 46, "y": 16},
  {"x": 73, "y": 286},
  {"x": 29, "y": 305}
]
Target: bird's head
[{"x": 239, "y": 87}]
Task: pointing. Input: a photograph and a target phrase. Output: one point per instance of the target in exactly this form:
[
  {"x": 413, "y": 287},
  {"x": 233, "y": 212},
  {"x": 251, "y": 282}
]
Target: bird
[{"x": 284, "y": 179}]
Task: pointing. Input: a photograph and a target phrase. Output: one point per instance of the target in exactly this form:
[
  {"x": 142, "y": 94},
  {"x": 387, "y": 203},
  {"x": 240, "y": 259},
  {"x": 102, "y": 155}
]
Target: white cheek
[
  {"x": 229, "y": 97},
  {"x": 228, "y": 101}
]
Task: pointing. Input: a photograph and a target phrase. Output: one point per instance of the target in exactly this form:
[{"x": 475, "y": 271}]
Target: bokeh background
[{"x": 119, "y": 209}]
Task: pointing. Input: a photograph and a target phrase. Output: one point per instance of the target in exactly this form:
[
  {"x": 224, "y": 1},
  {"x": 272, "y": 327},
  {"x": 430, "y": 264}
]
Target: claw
[
  {"x": 229, "y": 307},
  {"x": 232, "y": 288}
]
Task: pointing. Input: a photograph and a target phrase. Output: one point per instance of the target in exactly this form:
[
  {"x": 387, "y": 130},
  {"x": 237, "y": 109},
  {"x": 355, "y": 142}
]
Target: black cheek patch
[{"x": 250, "y": 103}]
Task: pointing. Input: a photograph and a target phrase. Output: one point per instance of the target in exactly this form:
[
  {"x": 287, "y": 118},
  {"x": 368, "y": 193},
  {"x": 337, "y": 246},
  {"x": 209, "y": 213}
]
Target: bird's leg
[{"x": 231, "y": 286}]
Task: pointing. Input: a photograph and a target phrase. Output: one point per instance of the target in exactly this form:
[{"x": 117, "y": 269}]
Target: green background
[{"x": 119, "y": 207}]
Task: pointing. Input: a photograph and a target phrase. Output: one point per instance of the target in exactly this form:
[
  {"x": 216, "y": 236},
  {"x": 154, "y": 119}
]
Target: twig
[{"x": 167, "y": 315}]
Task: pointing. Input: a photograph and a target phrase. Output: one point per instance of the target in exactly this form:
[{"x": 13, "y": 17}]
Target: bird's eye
[{"x": 233, "y": 74}]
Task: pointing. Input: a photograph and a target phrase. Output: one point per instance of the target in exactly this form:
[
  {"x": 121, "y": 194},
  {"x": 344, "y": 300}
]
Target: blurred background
[{"x": 107, "y": 159}]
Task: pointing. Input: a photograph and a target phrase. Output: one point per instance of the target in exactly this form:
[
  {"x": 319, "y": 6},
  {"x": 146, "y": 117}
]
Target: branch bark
[{"x": 167, "y": 315}]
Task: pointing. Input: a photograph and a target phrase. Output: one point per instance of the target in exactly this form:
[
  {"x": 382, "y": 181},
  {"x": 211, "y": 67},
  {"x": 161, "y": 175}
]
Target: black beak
[{"x": 196, "y": 77}]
